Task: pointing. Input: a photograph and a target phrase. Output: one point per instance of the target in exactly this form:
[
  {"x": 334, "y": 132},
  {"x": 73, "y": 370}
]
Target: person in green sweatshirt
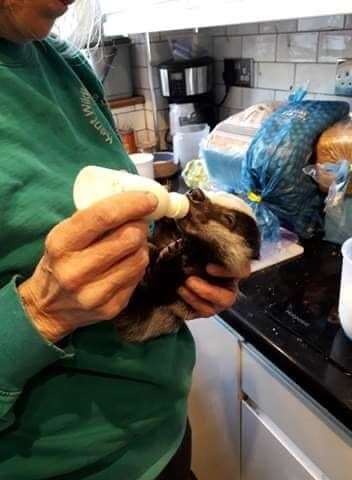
[{"x": 77, "y": 402}]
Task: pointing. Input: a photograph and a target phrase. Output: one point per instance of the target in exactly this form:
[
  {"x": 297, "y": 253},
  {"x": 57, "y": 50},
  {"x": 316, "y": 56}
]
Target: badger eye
[
  {"x": 229, "y": 220},
  {"x": 197, "y": 195}
]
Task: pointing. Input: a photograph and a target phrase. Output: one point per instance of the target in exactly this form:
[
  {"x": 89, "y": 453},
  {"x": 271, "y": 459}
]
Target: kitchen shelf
[{"x": 126, "y": 102}]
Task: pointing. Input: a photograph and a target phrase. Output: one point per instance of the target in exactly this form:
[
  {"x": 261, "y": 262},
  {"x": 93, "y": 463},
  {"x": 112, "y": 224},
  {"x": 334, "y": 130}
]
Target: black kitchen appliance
[{"x": 188, "y": 87}]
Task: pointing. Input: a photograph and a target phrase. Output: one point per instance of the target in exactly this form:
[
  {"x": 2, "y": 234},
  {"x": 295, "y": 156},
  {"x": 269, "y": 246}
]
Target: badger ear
[
  {"x": 254, "y": 238},
  {"x": 248, "y": 228}
]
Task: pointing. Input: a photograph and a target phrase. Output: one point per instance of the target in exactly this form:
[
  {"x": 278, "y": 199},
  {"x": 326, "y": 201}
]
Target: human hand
[
  {"x": 208, "y": 299},
  {"x": 92, "y": 263}
]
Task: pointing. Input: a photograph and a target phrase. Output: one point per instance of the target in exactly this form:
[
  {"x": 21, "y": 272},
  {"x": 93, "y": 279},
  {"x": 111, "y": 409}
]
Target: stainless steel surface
[
  {"x": 198, "y": 80},
  {"x": 164, "y": 80}
]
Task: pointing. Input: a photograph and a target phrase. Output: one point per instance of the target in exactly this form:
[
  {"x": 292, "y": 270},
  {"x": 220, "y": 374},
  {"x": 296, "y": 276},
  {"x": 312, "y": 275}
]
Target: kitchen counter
[
  {"x": 289, "y": 314},
  {"x": 307, "y": 344}
]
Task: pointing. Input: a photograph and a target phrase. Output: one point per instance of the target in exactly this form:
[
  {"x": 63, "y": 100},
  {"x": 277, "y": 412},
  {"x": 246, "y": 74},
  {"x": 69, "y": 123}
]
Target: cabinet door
[
  {"x": 263, "y": 456},
  {"x": 214, "y": 406}
]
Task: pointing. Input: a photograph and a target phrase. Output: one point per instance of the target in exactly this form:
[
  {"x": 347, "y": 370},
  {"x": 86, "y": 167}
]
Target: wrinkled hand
[
  {"x": 208, "y": 299},
  {"x": 92, "y": 264}
]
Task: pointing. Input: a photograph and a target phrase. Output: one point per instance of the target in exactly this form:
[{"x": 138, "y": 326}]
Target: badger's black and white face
[{"x": 225, "y": 225}]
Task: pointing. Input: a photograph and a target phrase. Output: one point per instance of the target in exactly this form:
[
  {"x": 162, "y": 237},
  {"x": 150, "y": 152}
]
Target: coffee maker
[{"x": 188, "y": 85}]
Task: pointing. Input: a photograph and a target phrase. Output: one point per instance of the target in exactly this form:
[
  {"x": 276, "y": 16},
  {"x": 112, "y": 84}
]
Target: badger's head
[{"x": 224, "y": 226}]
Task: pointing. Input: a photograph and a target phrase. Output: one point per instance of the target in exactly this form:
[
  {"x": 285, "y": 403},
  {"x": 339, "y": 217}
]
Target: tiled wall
[
  {"x": 286, "y": 54},
  {"x": 160, "y": 52},
  {"x": 133, "y": 117}
]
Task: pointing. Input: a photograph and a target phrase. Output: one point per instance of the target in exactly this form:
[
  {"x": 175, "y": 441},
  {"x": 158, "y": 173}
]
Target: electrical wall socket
[
  {"x": 344, "y": 77},
  {"x": 239, "y": 72}
]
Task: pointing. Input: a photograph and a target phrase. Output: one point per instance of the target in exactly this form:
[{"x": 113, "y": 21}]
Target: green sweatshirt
[{"x": 95, "y": 407}]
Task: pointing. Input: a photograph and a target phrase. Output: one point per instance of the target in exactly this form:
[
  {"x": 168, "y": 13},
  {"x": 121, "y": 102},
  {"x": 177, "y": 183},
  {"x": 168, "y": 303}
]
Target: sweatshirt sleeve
[{"x": 23, "y": 351}]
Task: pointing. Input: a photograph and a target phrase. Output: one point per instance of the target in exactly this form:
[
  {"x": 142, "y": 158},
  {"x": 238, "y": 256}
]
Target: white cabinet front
[{"x": 263, "y": 456}]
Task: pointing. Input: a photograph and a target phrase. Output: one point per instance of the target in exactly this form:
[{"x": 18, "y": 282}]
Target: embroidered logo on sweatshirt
[{"x": 89, "y": 112}]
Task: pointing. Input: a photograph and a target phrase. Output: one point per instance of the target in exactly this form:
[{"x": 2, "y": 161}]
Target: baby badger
[{"x": 219, "y": 228}]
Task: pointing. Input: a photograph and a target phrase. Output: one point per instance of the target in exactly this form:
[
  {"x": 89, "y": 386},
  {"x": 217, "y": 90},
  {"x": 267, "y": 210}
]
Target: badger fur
[{"x": 220, "y": 229}]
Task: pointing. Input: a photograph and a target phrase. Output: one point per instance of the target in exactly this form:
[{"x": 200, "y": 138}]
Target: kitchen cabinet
[
  {"x": 319, "y": 441},
  {"x": 163, "y": 15},
  {"x": 251, "y": 422},
  {"x": 264, "y": 456},
  {"x": 215, "y": 407}
]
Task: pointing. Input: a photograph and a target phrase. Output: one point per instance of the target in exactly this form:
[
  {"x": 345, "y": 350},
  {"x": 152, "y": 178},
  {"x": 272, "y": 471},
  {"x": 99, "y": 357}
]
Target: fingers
[
  {"x": 116, "y": 304},
  {"x": 222, "y": 298},
  {"x": 203, "y": 308},
  {"x": 90, "y": 224},
  {"x": 219, "y": 271},
  {"x": 104, "y": 254},
  {"x": 128, "y": 273}
]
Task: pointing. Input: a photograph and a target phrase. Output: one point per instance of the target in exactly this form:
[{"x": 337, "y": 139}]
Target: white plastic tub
[
  {"x": 187, "y": 142},
  {"x": 144, "y": 164}
]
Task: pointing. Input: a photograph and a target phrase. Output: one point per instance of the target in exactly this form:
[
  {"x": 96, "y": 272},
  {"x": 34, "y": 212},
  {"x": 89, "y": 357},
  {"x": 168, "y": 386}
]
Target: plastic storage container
[
  {"x": 144, "y": 164},
  {"x": 345, "y": 306},
  {"x": 187, "y": 142}
]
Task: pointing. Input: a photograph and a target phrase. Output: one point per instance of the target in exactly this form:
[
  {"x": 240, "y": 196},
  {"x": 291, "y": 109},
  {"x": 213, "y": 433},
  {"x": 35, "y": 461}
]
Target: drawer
[
  {"x": 263, "y": 455},
  {"x": 311, "y": 428}
]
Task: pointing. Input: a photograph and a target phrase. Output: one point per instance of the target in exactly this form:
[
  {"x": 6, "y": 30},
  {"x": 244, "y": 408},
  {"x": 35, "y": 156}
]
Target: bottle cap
[{"x": 178, "y": 206}]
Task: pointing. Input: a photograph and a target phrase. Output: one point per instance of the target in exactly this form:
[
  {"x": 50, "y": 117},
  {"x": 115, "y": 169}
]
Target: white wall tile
[
  {"x": 251, "y": 96},
  {"x": 140, "y": 77},
  {"x": 139, "y": 55},
  {"x": 297, "y": 47},
  {"x": 330, "y": 22},
  {"x": 320, "y": 76},
  {"x": 156, "y": 77},
  {"x": 214, "y": 31},
  {"x": 219, "y": 69},
  {"x": 281, "y": 95},
  {"x": 334, "y": 98},
  {"x": 219, "y": 93},
  {"x": 142, "y": 137},
  {"x": 135, "y": 120},
  {"x": 244, "y": 29},
  {"x": 227, "y": 47},
  {"x": 279, "y": 27},
  {"x": 275, "y": 75},
  {"x": 224, "y": 113},
  {"x": 176, "y": 33},
  {"x": 116, "y": 121},
  {"x": 137, "y": 37},
  {"x": 234, "y": 98},
  {"x": 119, "y": 111},
  {"x": 348, "y": 21},
  {"x": 334, "y": 45},
  {"x": 260, "y": 47},
  {"x": 160, "y": 52},
  {"x": 161, "y": 102},
  {"x": 149, "y": 120},
  {"x": 163, "y": 118}
]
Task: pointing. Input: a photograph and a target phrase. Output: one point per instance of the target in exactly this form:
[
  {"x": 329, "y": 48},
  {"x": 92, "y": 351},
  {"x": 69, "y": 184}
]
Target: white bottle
[
  {"x": 345, "y": 304},
  {"x": 96, "y": 183}
]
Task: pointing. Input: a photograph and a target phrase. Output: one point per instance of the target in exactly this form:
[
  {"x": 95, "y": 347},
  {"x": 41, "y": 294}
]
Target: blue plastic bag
[
  {"x": 272, "y": 175},
  {"x": 224, "y": 168}
]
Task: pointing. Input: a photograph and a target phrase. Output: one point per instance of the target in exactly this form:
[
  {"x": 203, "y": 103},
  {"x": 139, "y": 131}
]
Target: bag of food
[
  {"x": 272, "y": 176},
  {"x": 226, "y": 146},
  {"x": 335, "y": 144}
]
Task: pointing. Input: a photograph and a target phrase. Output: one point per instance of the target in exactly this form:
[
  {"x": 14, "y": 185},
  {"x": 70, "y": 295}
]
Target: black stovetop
[
  {"x": 302, "y": 297},
  {"x": 289, "y": 313}
]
